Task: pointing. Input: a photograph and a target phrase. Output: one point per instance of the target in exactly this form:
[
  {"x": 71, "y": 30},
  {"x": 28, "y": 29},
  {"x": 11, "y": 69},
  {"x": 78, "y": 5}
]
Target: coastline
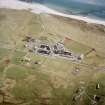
[{"x": 38, "y": 9}]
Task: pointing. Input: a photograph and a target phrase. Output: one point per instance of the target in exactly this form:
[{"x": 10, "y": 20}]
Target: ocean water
[{"x": 76, "y": 8}]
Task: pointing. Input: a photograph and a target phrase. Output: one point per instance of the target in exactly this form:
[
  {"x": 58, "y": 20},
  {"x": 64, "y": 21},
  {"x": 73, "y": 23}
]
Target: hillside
[{"x": 43, "y": 80}]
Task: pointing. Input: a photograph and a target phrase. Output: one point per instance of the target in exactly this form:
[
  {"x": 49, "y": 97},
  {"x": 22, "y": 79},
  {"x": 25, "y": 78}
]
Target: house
[
  {"x": 58, "y": 48},
  {"x": 45, "y": 52},
  {"x": 44, "y": 49},
  {"x": 66, "y": 54}
]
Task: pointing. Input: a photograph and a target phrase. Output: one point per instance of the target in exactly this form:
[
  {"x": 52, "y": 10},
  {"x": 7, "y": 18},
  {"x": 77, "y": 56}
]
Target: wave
[{"x": 38, "y": 8}]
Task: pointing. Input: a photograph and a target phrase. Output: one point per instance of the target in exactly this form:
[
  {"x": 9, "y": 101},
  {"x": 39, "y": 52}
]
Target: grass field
[{"x": 53, "y": 81}]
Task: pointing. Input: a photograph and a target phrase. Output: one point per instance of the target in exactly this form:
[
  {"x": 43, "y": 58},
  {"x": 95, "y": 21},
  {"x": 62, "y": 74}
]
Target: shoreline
[{"x": 38, "y": 9}]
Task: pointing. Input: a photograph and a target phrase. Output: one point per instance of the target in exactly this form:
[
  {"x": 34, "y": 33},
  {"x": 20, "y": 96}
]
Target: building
[{"x": 44, "y": 49}]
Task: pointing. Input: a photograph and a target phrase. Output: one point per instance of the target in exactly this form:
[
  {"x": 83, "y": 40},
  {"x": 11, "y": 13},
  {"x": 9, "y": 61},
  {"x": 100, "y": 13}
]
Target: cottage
[
  {"x": 41, "y": 51},
  {"x": 66, "y": 54},
  {"x": 45, "y": 47}
]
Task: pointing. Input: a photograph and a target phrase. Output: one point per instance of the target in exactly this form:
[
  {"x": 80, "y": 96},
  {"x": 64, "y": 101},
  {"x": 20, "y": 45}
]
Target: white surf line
[{"x": 38, "y": 8}]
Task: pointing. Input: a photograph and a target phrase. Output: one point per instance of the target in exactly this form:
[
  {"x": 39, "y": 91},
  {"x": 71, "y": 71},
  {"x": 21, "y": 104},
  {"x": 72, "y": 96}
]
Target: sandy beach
[
  {"x": 38, "y": 8},
  {"x": 40, "y": 47}
]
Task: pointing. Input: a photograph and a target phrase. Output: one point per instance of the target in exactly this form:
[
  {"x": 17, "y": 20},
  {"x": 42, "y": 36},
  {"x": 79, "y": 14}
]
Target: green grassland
[{"x": 53, "y": 81}]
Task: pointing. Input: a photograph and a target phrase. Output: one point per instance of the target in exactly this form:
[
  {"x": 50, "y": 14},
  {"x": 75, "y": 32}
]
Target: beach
[
  {"x": 38, "y": 8},
  {"x": 24, "y": 27}
]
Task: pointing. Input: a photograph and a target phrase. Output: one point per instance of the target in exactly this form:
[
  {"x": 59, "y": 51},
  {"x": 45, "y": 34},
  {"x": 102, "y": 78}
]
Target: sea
[{"x": 75, "y": 7}]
